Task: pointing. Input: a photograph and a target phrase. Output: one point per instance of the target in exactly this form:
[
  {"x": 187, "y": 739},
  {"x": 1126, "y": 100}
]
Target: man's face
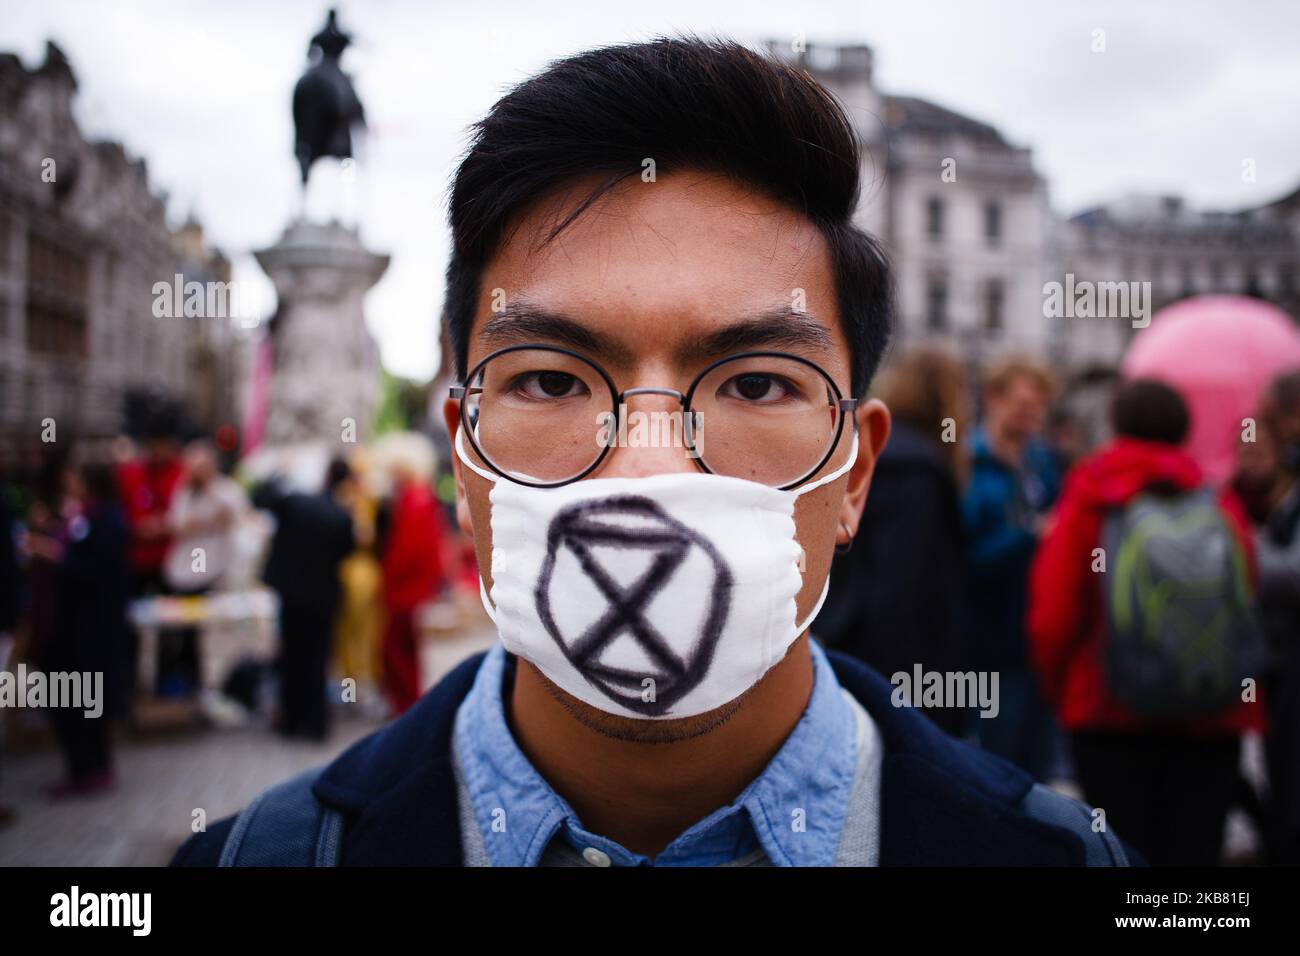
[
  {"x": 200, "y": 464},
  {"x": 1020, "y": 409},
  {"x": 651, "y": 271},
  {"x": 162, "y": 451}
]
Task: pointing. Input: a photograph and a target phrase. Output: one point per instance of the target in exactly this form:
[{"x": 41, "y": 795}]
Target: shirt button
[{"x": 595, "y": 857}]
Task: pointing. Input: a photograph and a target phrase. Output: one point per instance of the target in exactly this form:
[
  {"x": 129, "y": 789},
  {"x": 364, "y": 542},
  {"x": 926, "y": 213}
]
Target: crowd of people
[
  {"x": 91, "y": 535},
  {"x": 988, "y": 544},
  {"x": 1141, "y": 618}
]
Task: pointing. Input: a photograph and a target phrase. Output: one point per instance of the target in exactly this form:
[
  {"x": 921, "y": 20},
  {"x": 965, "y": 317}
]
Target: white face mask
[{"x": 657, "y": 597}]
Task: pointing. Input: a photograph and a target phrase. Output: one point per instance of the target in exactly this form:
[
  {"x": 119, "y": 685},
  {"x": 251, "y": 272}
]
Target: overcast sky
[{"x": 200, "y": 88}]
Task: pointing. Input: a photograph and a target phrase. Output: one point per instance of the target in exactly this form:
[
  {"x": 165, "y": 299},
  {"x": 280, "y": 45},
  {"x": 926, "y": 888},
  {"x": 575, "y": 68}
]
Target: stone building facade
[
  {"x": 83, "y": 242},
  {"x": 1180, "y": 252},
  {"x": 962, "y": 212},
  {"x": 967, "y": 222}
]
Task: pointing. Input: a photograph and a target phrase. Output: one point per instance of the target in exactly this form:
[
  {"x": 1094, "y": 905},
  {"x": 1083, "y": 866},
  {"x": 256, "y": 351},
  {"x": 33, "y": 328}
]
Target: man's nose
[{"x": 651, "y": 439}]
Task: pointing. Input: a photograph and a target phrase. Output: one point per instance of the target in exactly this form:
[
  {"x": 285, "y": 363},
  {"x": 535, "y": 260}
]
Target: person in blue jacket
[
  {"x": 664, "y": 320},
  {"x": 1013, "y": 483}
]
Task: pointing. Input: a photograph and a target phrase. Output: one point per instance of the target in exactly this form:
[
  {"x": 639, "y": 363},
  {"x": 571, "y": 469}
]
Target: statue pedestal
[{"x": 326, "y": 365}]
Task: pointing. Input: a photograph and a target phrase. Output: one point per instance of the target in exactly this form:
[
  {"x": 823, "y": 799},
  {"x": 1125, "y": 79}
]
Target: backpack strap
[
  {"x": 285, "y": 826},
  {"x": 1047, "y": 806}
]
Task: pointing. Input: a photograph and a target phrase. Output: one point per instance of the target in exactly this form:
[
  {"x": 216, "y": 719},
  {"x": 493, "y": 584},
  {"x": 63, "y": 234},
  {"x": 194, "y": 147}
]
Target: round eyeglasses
[{"x": 545, "y": 416}]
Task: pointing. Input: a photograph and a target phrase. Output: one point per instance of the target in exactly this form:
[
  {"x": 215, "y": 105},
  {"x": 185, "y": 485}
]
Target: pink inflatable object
[{"x": 1220, "y": 352}]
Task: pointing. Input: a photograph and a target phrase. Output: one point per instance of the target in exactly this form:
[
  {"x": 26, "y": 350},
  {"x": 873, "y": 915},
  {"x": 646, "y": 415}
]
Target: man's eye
[
  {"x": 548, "y": 385},
  {"x": 756, "y": 387}
]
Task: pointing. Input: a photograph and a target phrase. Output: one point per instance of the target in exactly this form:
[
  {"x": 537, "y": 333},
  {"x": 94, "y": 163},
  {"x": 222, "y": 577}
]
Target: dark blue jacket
[
  {"x": 999, "y": 510},
  {"x": 896, "y": 597},
  {"x": 313, "y": 534},
  {"x": 393, "y": 797}
]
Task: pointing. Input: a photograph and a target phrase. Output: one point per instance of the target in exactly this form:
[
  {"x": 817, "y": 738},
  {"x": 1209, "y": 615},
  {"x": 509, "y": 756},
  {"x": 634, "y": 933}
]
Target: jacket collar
[
  {"x": 946, "y": 803},
  {"x": 942, "y": 802}
]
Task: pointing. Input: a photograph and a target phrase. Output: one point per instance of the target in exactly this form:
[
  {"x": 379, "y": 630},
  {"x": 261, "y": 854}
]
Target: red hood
[{"x": 1125, "y": 466}]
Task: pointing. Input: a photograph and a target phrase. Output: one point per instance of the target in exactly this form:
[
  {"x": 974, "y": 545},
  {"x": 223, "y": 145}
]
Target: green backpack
[{"x": 1182, "y": 629}]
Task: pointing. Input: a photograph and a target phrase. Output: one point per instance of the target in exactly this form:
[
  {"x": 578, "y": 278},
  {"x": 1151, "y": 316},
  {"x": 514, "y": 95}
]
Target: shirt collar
[{"x": 794, "y": 810}]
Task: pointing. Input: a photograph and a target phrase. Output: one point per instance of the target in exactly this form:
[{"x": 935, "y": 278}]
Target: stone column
[{"x": 326, "y": 363}]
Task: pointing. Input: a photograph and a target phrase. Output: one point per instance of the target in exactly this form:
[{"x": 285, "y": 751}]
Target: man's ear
[
  {"x": 451, "y": 415},
  {"x": 873, "y": 431}
]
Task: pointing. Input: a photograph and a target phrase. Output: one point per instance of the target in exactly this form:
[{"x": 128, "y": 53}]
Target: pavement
[{"x": 164, "y": 777}]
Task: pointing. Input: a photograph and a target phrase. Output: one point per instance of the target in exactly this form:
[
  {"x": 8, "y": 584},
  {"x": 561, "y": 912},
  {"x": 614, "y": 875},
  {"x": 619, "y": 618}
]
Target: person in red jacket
[
  {"x": 414, "y": 572},
  {"x": 146, "y": 486},
  {"x": 1167, "y": 786}
]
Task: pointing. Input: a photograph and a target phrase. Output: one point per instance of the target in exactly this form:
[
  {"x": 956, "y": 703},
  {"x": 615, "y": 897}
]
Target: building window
[
  {"x": 994, "y": 296},
  {"x": 57, "y": 280},
  {"x": 993, "y": 222},
  {"x": 936, "y": 304},
  {"x": 934, "y": 218}
]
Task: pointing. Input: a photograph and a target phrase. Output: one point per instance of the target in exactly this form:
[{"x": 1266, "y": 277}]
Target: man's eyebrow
[
  {"x": 523, "y": 323},
  {"x": 780, "y": 329}
]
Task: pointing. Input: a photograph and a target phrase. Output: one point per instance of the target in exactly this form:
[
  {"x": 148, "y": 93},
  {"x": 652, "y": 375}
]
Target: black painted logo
[{"x": 632, "y": 522}]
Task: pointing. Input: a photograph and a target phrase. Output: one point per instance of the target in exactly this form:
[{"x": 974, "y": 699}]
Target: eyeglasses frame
[{"x": 846, "y": 407}]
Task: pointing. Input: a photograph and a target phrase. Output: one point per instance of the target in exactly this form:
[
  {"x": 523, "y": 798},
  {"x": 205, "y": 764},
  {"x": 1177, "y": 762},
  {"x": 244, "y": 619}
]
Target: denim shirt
[{"x": 792, "y": 814}]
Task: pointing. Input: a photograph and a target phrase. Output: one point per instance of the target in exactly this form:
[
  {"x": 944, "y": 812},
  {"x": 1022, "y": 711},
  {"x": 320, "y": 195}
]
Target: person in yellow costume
[{"x": 360, "y": 617}]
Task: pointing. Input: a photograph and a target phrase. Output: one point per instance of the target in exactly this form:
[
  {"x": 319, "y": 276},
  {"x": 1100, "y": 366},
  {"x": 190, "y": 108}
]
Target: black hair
[
  {"x": 338, "y": 472},
  {"x": 100, "y": 480},
  {"x": 690, "y": 104},
  {"x": 1151, "y": 411},
  {"x": 1284, "y": 391}
]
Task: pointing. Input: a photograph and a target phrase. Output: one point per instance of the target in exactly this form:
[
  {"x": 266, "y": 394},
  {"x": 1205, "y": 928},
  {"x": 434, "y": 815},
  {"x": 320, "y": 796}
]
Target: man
[
  {"x": 1268, "y": 483},
  {"x": 894, "y": 600},
  {"x": 146, "y": 486},
  {"x": 205, "y": 509},
  {"x": 1012, "y": 484},
  {"x": 413, "y": 567},
  {"x": 1164, "y": 767},
  {"x": 660, "y": 235},
  {"x": 88, "y": 556},
  {"x": 313, "y": 534}
]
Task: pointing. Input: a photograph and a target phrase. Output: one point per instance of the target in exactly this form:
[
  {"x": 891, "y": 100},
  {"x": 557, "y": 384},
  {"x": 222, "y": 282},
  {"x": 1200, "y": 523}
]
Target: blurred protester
[
  {"x": 1155, "y": 739},
  {"x": 357, "y": 628},
  {"x": 10, "y": 571},
  {"x": 415, "y": 569},
  {"x": 10, "y": 598},
  {"x": 896, "y": 597},
  {"x": 1013, "y": 483},
  {"x": 44, "y": 520},
  {"x": 87, "y": 552},
  {"x": 313, "y": 534},
  {"x": 205, "y": 509},
  {"x": 1065, "y": 439},
  {"x": 146, "y": 485},
  {"x": 1268, "y": 482}
]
